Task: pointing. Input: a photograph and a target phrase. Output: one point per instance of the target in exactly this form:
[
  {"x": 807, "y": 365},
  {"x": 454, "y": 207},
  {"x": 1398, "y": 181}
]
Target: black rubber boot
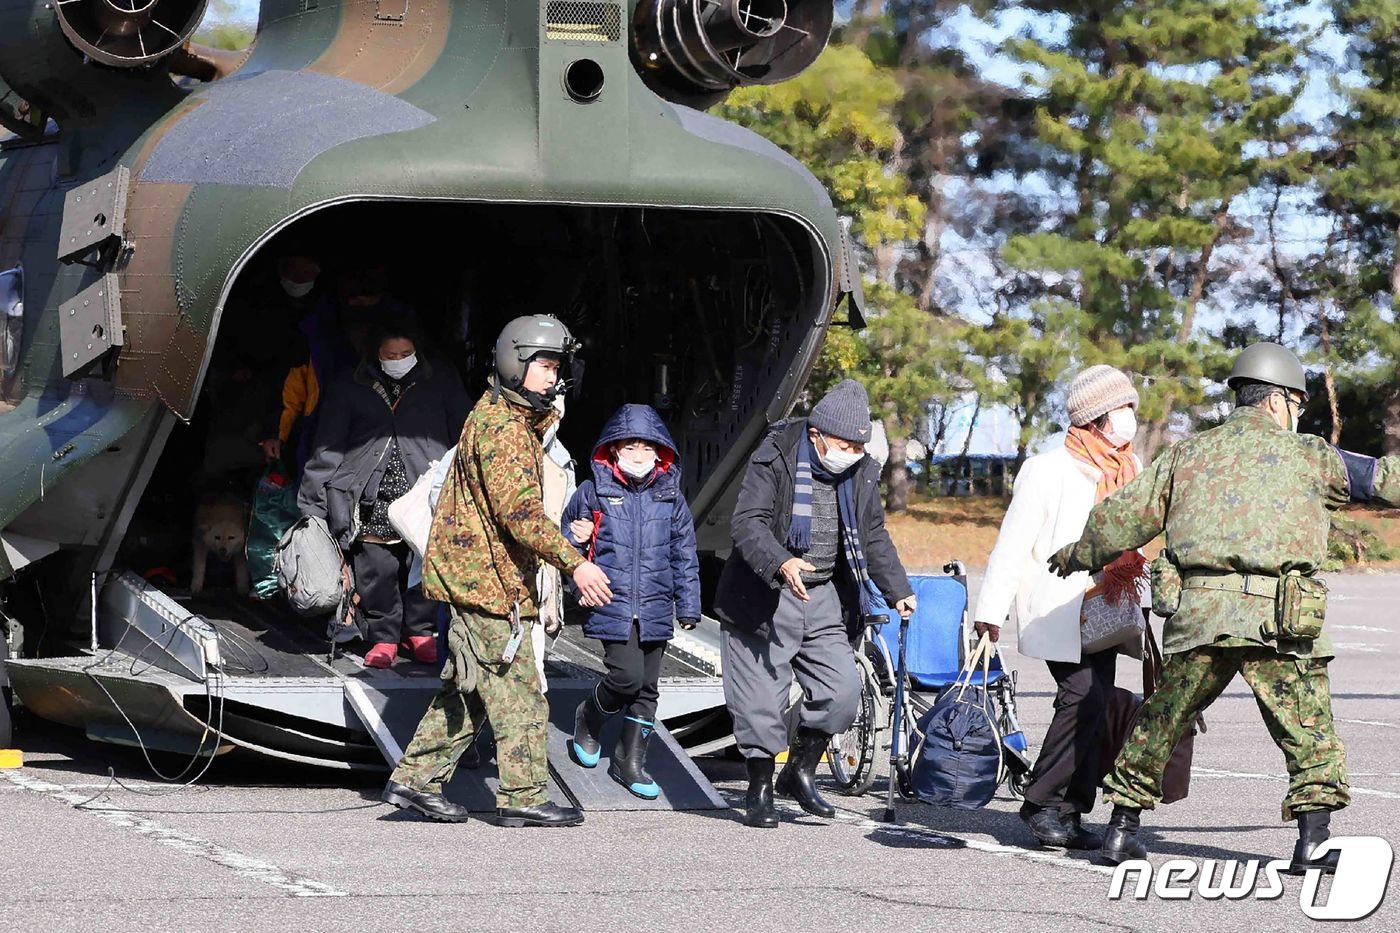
[
  {"x": 1313, "y": 829},
  {"x": 1045, "y": 824},
  {"x": 1121, "y": 842},
  {"x": 547, "y": 814},
  {"x": 433, "y": 806},
  {"x": 585, "y": 749},
  {"x": 759, "y": 811},
  {"x": 1079, "y": 837},
  {"x": 798, "y": 780},
  {"x": 629, "y": 761}
]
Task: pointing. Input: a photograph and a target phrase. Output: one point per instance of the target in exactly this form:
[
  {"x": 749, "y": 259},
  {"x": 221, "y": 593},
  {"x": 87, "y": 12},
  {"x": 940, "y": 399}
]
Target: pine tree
[
  {"x": 1362, "y": 192},
  {"x": 1153, "y": 120}
]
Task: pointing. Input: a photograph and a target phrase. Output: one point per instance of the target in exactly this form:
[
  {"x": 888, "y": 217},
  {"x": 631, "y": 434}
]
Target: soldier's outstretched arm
[
  {"x": 514, "y": 496},
  {"x": 1125, "y": 521},
  {"x": 1370, "y": 479}
]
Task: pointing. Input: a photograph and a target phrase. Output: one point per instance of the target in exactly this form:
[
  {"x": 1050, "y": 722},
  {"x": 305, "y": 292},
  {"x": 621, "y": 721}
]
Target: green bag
[
  {"x": 1302, "y": 606},
  {"x": 274, "y": 511},
  {"x": 1166, "y": 586}
]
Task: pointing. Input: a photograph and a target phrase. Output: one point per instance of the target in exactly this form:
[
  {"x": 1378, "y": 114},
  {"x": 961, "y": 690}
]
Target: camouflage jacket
[
  {"x": 1244, "y": 497},
  {"x": 490, "y": 530}
]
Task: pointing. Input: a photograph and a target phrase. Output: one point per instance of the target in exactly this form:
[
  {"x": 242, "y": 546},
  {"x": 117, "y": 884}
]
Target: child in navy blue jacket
[{"x": 632, "y": 520}]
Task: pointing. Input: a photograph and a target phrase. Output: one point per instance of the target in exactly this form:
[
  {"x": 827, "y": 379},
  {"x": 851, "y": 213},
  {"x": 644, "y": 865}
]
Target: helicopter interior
[{"x": 697, "y": 313}]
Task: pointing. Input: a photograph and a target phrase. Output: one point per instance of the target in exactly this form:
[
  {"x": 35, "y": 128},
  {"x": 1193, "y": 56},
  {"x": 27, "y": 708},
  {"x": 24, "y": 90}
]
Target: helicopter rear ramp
[
  {"x": 213, "y": 674},
  {"x": 393, "y": 714}
]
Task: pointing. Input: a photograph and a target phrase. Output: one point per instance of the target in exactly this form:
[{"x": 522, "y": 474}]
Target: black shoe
[
  {"x": 544, "y": 814},
  {"x": 1313, "y": 830},
  {"x": 584, "y": 749},
  {"x": 1080, "y": 838},
  {"x": 433, "y": 806},
  {"x": 798, "y": 779},
  {"x": 628, "y": 766},
  {"x": 1121, "y": 842},
  {"x": 758, "y": 802},
  {"x": 1045, "y": 825}
]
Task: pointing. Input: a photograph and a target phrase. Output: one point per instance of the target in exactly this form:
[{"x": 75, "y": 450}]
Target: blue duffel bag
[{"x": 957, "y": 759}]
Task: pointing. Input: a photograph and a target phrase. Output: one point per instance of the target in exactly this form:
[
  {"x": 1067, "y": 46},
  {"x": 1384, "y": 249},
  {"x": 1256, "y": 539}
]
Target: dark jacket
[
  {"x": 356, "y": 426},
  {"x": 749, "y": 585},
  {"x": 644, "y": 535}
]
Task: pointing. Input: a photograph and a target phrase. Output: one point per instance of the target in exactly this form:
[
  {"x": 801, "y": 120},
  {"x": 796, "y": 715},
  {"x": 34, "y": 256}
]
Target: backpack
[
  {"x": 310, "y": 568},
  {"x": 957, "y": 760}
]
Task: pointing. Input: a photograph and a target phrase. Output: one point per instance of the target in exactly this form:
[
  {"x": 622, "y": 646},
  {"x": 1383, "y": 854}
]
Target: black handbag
[{"x": 1122, "y": 711}]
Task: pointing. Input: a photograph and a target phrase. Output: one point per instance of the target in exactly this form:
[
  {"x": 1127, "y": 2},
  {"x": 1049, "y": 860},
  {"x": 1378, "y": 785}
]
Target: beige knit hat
[{"x": 1097, "y": 391}]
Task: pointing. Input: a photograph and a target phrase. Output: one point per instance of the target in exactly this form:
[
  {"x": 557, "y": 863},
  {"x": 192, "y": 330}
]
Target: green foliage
[
  {"x": 1351, "y": 542},
  {"x": 221, "y": 31},
  {"x": 1157, "y": 118},
  {"x": 836, "y": 118},
  {"x": 232, "y": 37}
]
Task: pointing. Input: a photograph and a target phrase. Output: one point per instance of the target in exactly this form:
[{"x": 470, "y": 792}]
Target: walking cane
[{"x": 897, "y": 727}]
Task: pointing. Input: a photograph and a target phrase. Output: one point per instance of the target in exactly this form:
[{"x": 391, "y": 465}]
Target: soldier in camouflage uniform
[
  {"x": 1242, "y": 505},
  {"x": 489, "y": 534}
]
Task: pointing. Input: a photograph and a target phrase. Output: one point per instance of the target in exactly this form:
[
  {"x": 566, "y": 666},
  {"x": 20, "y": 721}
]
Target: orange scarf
[{"x": 1122, "y": 579}]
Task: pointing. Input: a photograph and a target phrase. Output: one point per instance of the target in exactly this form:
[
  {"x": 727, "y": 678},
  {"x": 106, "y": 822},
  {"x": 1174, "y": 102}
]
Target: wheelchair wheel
[
  {"x": 852, "y": 755},
  {"x": 1016, "y": 784}
]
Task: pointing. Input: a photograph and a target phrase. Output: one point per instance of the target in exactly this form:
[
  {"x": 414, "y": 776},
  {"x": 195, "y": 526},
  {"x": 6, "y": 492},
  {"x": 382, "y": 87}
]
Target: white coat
[{"x": 1053, "y": 496}]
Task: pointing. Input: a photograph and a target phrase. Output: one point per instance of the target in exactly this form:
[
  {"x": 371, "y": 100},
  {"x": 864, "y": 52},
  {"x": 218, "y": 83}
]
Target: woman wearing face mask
[
  {"x": 1054, "y": 494},
  {"x": 380, "y": 427},
  {"x": 631, "y": 519}
]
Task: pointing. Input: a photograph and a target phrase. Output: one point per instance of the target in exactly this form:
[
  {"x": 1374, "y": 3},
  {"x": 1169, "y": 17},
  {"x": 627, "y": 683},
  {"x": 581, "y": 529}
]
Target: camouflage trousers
[
  {"x": 1294, "y": 697},
  {"x": 479, "y": 686}
]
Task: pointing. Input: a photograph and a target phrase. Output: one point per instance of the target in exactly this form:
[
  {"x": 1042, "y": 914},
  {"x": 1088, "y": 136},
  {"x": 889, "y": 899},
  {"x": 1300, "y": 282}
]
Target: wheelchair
[{"x": 935, "y": 647}]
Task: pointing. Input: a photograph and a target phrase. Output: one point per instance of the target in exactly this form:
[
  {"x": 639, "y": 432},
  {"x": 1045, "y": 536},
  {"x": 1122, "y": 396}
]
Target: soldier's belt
[{"x": 1250, "y": 584}]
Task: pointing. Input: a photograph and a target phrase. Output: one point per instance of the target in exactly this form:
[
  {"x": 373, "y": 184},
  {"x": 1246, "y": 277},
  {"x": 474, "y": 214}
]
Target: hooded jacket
[{"x": 644, "y": 535}]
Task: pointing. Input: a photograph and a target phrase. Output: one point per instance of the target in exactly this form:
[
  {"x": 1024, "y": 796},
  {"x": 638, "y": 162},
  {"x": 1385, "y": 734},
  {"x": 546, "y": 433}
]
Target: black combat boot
[
  {"x": 433, "y": 806},
  {"x": 758, "y": 802},
  {"x": 1312, "y": 831},
  {"x": 798, "y": 780},
  {"x": 1121, "y": 842},
  {"x": 1045, "y": 824},
  {"x": 547, "y": 814},
  {"x": 1079, "y": 837},
  {"x": 629, "y": 760},
  {"x": 585, "y": 750}
]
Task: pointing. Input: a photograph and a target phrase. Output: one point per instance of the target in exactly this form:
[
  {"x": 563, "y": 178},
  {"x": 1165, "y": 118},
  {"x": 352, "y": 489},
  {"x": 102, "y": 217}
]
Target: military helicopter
[{"x": 501, "y": 157}]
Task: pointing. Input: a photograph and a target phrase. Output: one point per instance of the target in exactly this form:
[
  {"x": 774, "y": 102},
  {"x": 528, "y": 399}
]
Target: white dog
[{"x": 220, "y": 530}]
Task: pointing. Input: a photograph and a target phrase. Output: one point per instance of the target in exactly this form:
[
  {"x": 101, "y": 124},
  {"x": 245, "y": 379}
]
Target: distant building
[{"x": 973, "y": 475}]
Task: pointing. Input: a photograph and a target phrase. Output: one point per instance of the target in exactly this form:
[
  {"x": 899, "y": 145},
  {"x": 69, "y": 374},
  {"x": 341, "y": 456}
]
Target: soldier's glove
[
  {"x": 1061, "y": 563},
  {"x": 688, "y": 624}
]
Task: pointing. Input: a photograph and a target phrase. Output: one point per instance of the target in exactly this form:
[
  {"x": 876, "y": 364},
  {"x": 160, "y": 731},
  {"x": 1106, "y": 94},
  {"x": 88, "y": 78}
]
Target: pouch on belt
[
  {"x": 1301, "y": 606},
  {"x": 1166, "y": 586}
]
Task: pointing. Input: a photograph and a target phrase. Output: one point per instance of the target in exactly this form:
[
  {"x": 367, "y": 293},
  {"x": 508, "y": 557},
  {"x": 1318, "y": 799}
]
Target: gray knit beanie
[
  {"x": 843, "y": 412},
  {"x": 1097, "y": 391}
]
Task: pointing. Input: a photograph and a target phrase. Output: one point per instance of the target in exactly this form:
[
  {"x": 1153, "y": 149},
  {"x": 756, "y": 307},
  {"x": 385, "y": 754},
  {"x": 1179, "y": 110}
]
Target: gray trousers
[{"x": 807, "y": 640}]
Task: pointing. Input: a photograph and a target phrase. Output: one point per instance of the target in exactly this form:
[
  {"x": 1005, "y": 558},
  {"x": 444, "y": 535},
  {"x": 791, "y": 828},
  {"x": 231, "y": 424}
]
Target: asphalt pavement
[{"x": 266, "y": 847}]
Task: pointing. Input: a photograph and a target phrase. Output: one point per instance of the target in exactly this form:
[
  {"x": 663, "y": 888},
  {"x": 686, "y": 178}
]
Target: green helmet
[
  {"x": 1270, "y": 363},
  {"x": 521, "y": 341}
]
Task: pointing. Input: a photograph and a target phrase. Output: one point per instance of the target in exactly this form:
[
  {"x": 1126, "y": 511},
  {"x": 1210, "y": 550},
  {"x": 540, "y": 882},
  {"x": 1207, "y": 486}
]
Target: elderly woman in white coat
[{"x": 1054, "y": 494}]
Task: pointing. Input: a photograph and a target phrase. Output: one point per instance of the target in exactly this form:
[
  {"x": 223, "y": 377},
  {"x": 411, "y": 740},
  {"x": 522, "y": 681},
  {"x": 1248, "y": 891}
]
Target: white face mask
[
  {"x": 637, "y": 470},
  {"x": 838, "y": 461},
  {"x": 297, "y": 289},
  {"x": 1121, "y": 427},
  {"x": 397, "y": 369}
]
